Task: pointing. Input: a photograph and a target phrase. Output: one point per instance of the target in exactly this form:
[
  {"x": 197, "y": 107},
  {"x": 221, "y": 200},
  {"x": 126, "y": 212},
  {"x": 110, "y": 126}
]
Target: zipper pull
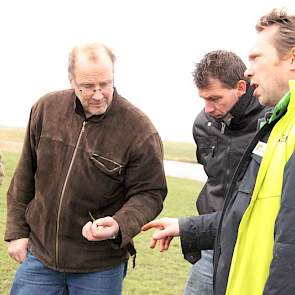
[
  {"x": 83, "y": 126},
  {"x": 212, "y": 151},
  {"x": 222, "y": 127}
]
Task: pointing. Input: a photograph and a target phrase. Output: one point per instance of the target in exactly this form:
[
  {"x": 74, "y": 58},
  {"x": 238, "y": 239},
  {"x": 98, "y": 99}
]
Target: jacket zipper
[
  {"x": 223, "y": 125},
  {"x": 228, "y": 159},
  {"x": 63, "y": 191}
]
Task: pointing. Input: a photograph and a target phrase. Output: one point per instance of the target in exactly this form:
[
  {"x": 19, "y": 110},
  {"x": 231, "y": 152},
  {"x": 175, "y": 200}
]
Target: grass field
[
  {"x": 180, "y": 151},
  {"x": 155, "y": 273},
  {"x": 7, "y": 266}
]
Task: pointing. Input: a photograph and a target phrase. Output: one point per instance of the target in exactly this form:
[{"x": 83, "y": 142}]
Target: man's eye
[
  {"x": 215, "y": 98},
  {"x": 88, "y": 86},
  {"x": 106, "y": 83}
]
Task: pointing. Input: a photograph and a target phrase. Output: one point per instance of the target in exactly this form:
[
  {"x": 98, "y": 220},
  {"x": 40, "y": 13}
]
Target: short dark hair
[
  {"x": 284, "y": 39},
  {"x": 223, "y": 65}
]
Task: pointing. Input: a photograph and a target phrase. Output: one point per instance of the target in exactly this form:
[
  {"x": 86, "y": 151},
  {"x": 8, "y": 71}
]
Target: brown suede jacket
[{"x": 110, "y": 165}]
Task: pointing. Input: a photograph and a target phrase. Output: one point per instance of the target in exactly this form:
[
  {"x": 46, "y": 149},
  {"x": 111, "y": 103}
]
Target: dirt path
[{"x": 11, "y": 146}]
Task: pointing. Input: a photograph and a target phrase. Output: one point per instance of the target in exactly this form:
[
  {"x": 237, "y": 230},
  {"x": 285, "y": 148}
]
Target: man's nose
[
  {"x": 97, "y": 94},
  {"x": 208, "y": 107},
  {"x": 248, "y": 73}
]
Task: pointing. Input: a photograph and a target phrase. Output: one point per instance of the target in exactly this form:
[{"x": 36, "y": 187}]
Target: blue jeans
[
  {"x": 200, "y": 280},
  {"x": 33, "y": 278}
]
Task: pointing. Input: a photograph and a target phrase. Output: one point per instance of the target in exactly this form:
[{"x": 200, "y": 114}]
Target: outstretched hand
[{"x": 167, "y": 228}]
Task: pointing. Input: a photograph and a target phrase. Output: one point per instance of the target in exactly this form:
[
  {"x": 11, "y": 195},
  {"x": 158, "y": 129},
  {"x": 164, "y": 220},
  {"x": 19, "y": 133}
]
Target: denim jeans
[
  {"x": 33, "y": 278},
  {"x": 200, "y": 280}
]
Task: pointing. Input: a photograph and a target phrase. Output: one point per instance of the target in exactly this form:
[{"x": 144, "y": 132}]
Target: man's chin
[
  {"x": 262, "y": 100},
  {"x": 98, "y": 110},
  {"x": 95, "y": 112},
  {"x": 218, "y": 116}
]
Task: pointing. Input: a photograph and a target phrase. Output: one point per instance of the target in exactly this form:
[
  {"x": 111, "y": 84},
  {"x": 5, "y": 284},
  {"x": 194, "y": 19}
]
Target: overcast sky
[{"x": 156, "y": 42}]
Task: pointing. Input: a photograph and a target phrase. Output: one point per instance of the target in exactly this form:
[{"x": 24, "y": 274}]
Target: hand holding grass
[{"x": 100, "y": 229}]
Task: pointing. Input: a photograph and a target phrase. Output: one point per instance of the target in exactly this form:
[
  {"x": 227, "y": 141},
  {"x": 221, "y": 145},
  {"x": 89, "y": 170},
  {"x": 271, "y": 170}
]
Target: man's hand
[
  {"x": 167, "y": 229},
  {"x": 100, "y": 229},
  {"x": 17, "y": 249}
]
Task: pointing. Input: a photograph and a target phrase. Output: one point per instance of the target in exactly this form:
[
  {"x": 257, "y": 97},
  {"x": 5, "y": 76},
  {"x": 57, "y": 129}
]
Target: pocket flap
[{"x": 106, "y": 165}]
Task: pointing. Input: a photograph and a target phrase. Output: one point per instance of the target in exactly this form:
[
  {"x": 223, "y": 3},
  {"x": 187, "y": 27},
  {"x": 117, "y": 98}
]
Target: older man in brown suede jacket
[{"x": 89, "y": 177}]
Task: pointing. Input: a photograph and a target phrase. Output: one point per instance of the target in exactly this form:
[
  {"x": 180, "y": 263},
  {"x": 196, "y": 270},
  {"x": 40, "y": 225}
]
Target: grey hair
[{"x": 92, "y": 51}]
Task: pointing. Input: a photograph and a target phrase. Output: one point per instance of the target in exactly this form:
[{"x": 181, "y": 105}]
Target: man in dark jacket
[
  {"x": 90, "y": 175},
  {"x": 222, "y": 132},
  {"x": 254, "y": 236}
]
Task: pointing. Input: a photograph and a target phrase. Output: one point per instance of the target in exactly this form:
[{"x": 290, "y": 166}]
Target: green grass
[
  {"x": 180, "y": 151},
  {"x": 176, "y": 151},
  {"x": 155, "y": 272},
  {"x": 163, "y": 273},
  {"x": 7, "y": 265}
]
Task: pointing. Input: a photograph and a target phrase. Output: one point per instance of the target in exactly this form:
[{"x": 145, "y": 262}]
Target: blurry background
[{"x": 156, "y": 42}]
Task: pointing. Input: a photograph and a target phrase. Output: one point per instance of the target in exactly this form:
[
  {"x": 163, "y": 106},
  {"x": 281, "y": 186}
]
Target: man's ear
[
  {"x": 72, "y": 82},
  {"x": 241, "y": 87},
  {"x": 292, "y": 59}
]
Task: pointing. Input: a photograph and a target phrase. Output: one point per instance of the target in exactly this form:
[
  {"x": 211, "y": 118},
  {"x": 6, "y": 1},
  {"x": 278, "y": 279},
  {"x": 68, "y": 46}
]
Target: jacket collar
[
  {"x": 246, "y": 103},
  {"x": 283, "y": 104},
  {"x": 96, "y": 118},
  {"x": 245, "y": 106}
]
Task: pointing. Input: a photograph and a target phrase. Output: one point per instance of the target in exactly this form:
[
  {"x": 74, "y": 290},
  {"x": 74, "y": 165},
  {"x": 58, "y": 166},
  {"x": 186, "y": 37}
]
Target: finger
[
  {"x": 23, "y": 256},
  {"x": 96, "y": 228},
  {"x": 13, "y": 253},
  {"x": 153, "y": 243},
  {"x": 16, "y": 257},
  {"x": 101, "y": 232},
  {"x": 153, "y": 224},
  {"x": 86, "y": 229},
  {"x": 167, "y": 243},
  {"x": 162, "y": 245},
  {"x": 105, "y": 221}
]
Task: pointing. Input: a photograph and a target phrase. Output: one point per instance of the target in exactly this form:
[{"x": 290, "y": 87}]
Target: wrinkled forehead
[
  {"x": 99, "y": 67},
  {"x": 264, "y": 42},
  {"x": 97, "y": 58}
]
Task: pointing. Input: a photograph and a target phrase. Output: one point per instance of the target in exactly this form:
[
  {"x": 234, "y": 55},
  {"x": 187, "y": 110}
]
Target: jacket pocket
[
  {"x": 206, "y": 148},
  {"x": 248, "y": 181},
  {"x": 108, "y": 166}
]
